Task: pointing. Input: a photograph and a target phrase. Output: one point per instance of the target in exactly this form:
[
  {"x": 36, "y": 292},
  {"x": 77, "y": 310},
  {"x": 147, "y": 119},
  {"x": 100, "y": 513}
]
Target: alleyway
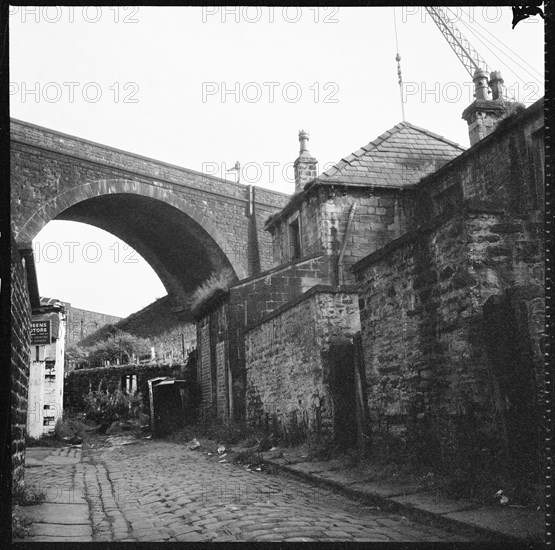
[{"x": 162, "y": 491}]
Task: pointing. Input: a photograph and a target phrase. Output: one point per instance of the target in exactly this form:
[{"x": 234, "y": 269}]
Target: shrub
[
  {"x": 107, "y": 407},
  {"x": 20, "y": 525},
  {"x": 217, "y": 284},
  {"x": 27, "y": 495},
  {"x": 68, "y": 427}
]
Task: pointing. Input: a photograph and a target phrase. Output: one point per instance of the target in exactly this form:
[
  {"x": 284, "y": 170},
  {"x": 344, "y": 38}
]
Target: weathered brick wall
[
  {"x": 78, "y": 383},
  {"x": 221, "y": 380},
  {"x": 20, "y": 362},
  {"x": 205, "y": 362},
  {"x": 287, "y": 376},
  {"x": 424, "y": 337}
]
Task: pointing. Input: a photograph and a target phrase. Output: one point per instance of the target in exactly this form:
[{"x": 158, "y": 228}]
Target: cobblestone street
[{"x": 162, "y": 491}]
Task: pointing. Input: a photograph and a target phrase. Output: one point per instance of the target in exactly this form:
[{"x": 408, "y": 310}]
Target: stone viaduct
[{"x": 185, "y": 224}]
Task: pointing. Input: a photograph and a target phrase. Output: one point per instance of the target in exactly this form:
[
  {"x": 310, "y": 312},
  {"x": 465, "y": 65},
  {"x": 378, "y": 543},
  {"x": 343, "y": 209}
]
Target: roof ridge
[
  {"x": 433, "y": 134},
  {"x": 365, "y": 149}
]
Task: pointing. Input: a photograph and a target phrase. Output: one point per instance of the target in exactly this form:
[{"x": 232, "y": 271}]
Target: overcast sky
[{"x": 205, "y": 87}]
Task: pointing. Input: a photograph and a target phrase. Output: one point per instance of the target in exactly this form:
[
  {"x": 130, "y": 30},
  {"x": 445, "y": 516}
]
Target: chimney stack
[
  {"x": 306, "y": 164},
  {"x": 484, "y": 114}
]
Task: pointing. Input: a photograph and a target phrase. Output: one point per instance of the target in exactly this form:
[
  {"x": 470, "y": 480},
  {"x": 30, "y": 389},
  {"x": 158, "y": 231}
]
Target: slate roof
[{"x": 399, "y": 157}]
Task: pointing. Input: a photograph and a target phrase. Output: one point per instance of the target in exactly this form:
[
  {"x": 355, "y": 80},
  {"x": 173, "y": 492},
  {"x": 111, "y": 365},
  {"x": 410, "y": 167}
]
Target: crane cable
[
  {"x": 506, "y": 46},
  {"x": 481, "y": 38},
  {"x": 518, "y": 77},
  {"x": 398, "y": 59}
]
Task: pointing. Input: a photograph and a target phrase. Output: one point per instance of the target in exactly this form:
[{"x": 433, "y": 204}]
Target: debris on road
[
  {"x": 503, "y": 499},
  {"x": 221, "y": 449},
  {"x": 194, "y": 444},
  {"x": 72, "y": 440}
]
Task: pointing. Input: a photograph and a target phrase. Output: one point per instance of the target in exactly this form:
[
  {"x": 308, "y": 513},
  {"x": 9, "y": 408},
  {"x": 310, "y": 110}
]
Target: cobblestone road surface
[{"x": 162, "y": 491}]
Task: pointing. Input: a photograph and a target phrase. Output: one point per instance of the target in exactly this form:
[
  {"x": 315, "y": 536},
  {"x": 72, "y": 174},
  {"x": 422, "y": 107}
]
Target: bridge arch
[{"x": 180, "y": 243}]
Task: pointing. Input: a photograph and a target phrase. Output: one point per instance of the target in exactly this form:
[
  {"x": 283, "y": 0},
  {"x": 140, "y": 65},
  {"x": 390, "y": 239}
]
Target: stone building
[
  {"x": 411, "y": 240},
  {"x": 46, "y": 376}
]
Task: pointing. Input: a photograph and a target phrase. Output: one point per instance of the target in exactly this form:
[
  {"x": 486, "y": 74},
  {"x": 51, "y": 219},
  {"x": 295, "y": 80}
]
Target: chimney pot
[
  {"x": 496, "y": 84},
  {"x": 304, "y": 136},
  {"x": 305, "y": 165},
  {"x": 480, "y": 84}
]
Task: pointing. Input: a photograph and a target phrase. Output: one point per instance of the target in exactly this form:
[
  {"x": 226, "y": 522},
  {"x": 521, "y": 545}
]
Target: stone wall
[
  {"x": 81, "y": 323},
  {"x": 20, "y": 362},
  {"x": 288, "y": 387},
  {"x": 379, "y": 216},
  {"x": 506, "y": 169},
  {"x": 427, "y": 347},
  {"x": 223, "y": 324}
]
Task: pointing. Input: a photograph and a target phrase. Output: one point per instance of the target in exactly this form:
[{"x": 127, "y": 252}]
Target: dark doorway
[
  {"x": 343, "y": 392},
  {"x": 511, "y": 359}
]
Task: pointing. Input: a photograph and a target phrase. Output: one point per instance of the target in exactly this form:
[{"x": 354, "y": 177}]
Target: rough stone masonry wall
[
  {"x": 505, "y": 169},
  {"x": 45, "y": 163},
  {"x": 379, "y": 217},
  {"x": 287, "y": 377},
  {"x": 20, "y": 362},
  {"x": 248, "y": 302},
  {"x": 424, "y": 339}
]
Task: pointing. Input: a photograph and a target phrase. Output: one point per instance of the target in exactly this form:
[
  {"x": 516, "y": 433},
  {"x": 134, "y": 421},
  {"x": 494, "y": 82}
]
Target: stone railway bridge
[{"x": 185, "y": 224}]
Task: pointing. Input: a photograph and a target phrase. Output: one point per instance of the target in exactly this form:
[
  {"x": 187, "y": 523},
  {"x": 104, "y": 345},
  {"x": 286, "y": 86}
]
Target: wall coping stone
[
  {"x": 469, "y": 206},
  {"x": 317, "y": 289}
]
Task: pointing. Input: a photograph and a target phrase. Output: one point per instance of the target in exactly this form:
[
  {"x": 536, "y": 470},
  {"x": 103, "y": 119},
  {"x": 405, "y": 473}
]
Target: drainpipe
[{"x": 340, "y": 262}]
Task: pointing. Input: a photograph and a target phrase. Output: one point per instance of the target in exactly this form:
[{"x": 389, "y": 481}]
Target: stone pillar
[
  {"x": 484, "y": 114},
  {"x": 306, "y": 164}
]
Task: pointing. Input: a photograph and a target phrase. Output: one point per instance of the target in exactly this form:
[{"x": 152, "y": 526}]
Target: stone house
[{"x": 286, "y": 349}]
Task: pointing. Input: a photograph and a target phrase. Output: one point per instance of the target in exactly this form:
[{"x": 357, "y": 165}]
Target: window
[
  {"x": 294, "y": 240},
  {"x": 37, "y": 353},
  {"x": 49, "y": 373}
]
